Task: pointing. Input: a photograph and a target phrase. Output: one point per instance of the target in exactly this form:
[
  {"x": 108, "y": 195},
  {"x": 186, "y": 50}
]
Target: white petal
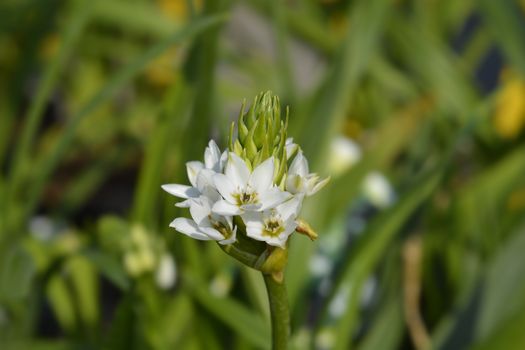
[
  {"x": 229, "y": 221},
  {"x": 222, "y": 207},
  {"x": 237, "y": 170},
  {"x": 294, "y": 183},
  {"x": 277, "y": 242},
  {"x": 272, "y": 197},
  {"x": 181, "y": 191},
  {"x": 232, "y": 238},
  {"x": 222, "y": 161},
  {"x": 253, "y": 218},
  {"x": 251, "y": 207},
  {"x": 299, "y": 165},
  {"x": 290, "y": 147},
  {"x": 289, "y": 227},
  {"x": 319, "y": 186},
  {"x": 212, "y": 155},
  {"x": 262, "y": 177},
  {"x": 205, "y": 183},
  {"x": 225, "y": 187},
  {"x": 193, "y": 168},
  {"x": 200, "y": 209},
  {"x": 184, "y": 204},
  {"x": 212, "y": 233},
  {"x": 255, "y": 230},
  {"x": 290, "y": 208},
  {"x": 189, "y": 228}
]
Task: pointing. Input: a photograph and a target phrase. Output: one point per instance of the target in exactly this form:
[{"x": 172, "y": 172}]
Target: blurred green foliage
[{"x": 101, "y": 102}]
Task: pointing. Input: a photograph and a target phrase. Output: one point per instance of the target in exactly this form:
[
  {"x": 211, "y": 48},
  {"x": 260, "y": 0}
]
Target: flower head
[
  {"x": 244, "y": 190},
  {"x": 248, "y": 198}
]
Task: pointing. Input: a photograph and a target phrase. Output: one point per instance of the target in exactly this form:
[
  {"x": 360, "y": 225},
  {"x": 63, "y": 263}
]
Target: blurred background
[{"x": 415, "y": 108}]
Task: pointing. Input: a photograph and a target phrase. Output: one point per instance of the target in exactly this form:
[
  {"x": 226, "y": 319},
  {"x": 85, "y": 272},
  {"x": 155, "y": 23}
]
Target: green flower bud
[{"x": 261, "y": 133}]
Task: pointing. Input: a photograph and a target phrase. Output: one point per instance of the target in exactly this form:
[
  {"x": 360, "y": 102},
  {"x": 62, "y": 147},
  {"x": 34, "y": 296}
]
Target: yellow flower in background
[
  {"x": 49, "y": 46},
  {"x": 516, "y": 200},
  {"x": 177, "y": 9},
  {"x": 161, "y": 71},
  {"x": 174, "y": 9},
  {"x": 509, "y": 117}
]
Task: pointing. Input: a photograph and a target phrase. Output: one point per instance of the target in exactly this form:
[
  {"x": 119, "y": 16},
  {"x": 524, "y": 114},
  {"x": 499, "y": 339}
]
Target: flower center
[
  {"x": 219, "y": 226},
  {"x": 247, "y": 196},
  {"x": 273, "y": 226}
]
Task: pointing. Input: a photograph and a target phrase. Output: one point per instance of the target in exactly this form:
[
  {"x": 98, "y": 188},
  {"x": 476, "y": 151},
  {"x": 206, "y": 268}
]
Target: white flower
[
  {"x": 139, "y": 258},
  {"x": 200, "y": 176},
  {"x": 166, "y": 273},
  {"x": 206, "y": 225},
  {"x": 242, "y": 190},
  {"x": 344, "y": 154},
  {"x": 378, "y": 190},
  {"x": 290, "y": 147},
  {"x": 274, "y": 225},
  {"x": 299, "y": 180}
]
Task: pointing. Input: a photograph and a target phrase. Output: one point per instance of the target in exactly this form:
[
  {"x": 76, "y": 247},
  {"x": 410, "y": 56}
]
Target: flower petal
[
  {"x": 192, "y": 169},
  {"x": 181, "y": 191},
  {"x": 232, "y": 238},
  {"x": 237, "y": 170},
  {"x": 222, "y": 207},
  {"x": 277, "y": 241},
  {"x": 253, "y": 217},
  {"x": 290, "y": 208},
  {"x": 319, "y": 186},
  {"x": 189, "y": 228},
  {"x": 184, "y": 204},
  {"x": 212, "y": 233},
  {"x": 200, "y": 210},
  {"x": 272, "y": 197},
  {"x": 255, "y": 230},
  {"x": 222, "y": 161},
  {"x": 290, "y": 147},
  {"x": 262, "y": 177},
  {"x": 212, "y": 156},
  {"x": 299, "y": 165},
  {"x": 225, "y": 187},
  {"x": 294, "y": 183},
  {"x": 205, "y": 183}
]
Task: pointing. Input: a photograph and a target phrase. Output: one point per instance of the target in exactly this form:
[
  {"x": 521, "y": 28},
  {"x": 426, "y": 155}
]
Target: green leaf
[
  {"x": 124, "y": 333},
  {"x": 17, "y": 272},
  {"x": 371, "y": 249},
  {"x": 84, "y": 284},
  {"x": 110, "y": 267},
  {"x": 492, "y": 305},
  {"x": 361, "y": 42},
  {"x": 503, "y": 20},
  {"x": 243, "y": 321},
  {"x": 70, "y": 36},
  {"x": 62, "y": 302},
  {"x": 387, "y": 329},
  {"x": 128, "y": 72}
]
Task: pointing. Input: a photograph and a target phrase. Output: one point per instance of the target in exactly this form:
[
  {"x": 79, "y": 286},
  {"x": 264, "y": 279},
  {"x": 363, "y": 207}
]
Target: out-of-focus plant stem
[{"x": 279, "y": 312}]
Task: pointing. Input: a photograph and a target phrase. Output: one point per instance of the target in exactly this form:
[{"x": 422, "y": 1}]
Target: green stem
[{"x": 279, "y": 312}]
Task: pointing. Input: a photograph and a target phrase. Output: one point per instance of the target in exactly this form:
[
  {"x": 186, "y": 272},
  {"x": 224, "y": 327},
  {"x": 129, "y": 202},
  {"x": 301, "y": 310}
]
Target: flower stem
[{"x": 279, "y": 312}]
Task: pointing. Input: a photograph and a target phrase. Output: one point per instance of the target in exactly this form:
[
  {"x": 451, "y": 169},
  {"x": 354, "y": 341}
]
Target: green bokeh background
[{"x": 103, "y": 101}]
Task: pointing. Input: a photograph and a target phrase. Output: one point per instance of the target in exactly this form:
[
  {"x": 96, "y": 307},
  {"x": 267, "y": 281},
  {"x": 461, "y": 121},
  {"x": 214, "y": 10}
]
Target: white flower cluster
[{"x": 225, "y": 191}]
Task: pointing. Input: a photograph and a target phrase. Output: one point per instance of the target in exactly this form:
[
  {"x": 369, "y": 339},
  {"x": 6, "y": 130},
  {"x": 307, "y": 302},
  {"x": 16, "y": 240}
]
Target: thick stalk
[{"x": 280, "y": 316}]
